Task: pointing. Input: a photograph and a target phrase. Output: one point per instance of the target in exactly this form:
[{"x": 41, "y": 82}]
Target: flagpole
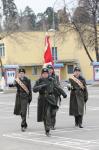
[{"x": 54, "y": 29}]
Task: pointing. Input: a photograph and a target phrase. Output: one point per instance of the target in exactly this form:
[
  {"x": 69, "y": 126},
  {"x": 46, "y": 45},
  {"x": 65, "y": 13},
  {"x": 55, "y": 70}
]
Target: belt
[
  {"x": 50, "y": 93},
  {"x": 43, "y": 93},
  {"x": 76, "y": 89}
]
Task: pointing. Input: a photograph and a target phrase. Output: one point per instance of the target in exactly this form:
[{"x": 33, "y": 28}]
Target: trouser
[
  {"x": 78, "y": 119},
  {"x": 23, "y": 113},
  {"x": 47, "y": 118},
  {"x": 54, "y": 111},
  {"x": 53, "y": 116}
]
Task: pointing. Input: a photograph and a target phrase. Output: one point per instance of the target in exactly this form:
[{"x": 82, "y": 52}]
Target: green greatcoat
[
  {"x": 22, "y": 98},
  {"x": 46, "y": 95},
  {"x": 78, "y": 97}
]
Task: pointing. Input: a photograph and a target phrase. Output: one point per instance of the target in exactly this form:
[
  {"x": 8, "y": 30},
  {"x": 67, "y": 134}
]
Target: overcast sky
[
  {"x": 40, "y": 5},
  {"x": 36, "y": 5}
]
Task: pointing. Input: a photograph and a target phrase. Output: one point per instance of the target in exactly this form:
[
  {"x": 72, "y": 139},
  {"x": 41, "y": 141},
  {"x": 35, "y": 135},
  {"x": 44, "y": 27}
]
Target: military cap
[
  {"x": 50, "y": 67},
  {"x": 44, "y": 70},
  {"x": 21, "y": 70},
  {"x": 77, "y": 69}
]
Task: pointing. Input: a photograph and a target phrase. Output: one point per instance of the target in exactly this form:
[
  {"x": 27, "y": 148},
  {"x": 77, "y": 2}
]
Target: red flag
[{"x": 47, "y": 53}]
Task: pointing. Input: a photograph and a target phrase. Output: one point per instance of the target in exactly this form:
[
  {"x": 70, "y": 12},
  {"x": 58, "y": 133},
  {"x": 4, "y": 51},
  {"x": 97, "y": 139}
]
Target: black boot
[
  {"x": 80, "y": 126},
  {"x": 53, "y": 128},
  {"x": 48, "y": 133},
  {"x": 80, "y": 121},
  {"x": 23, "y": 129},
  {"x": 76, "y": 121}
]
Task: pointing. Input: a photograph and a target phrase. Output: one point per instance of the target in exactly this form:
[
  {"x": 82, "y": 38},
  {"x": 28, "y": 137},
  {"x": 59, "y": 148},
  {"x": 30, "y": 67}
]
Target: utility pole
[{"x": 54, "y": 29}]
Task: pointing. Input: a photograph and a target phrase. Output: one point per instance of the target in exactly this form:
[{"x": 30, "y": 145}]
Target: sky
[
  {"x": 36, "y": 5},
  {"x": 41, "y": 5}
]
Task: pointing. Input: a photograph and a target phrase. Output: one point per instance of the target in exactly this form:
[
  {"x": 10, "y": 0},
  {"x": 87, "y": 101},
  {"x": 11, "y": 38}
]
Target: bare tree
[
  {"x": 27, "y": 20},
  {"x": 10, "y": 14},
  {"x": 8, "y": 21},
  {"x": 84, "y": 20}
]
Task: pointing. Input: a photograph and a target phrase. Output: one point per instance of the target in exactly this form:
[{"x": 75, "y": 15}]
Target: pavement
[{"x": 65, "y": 137}]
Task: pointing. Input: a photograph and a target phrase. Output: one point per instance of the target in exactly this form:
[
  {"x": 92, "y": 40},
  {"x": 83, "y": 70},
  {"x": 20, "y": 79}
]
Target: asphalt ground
[{"x": 66, "y": 136}]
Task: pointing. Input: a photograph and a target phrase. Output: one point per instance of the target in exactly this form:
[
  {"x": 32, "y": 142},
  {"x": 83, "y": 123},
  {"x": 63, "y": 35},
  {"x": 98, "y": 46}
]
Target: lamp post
[{"x": 54, "y": 30}]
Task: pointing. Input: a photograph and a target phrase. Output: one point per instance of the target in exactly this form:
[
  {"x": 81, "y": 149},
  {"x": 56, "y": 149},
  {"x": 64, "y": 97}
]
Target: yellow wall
[
  {"x": 24, "y": 48},
  {"x": 70, "y": 49},
  {"x": 27, "y": 49},
  {"x": 29, "y": 72}
]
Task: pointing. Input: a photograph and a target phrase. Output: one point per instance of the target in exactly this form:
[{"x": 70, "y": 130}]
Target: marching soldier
[
  {"x": 78, "y": 96},
  {"x": 23, "y": 97},
  {"x": 46, "y": 100},
  {"x": 57, "y": 96}
]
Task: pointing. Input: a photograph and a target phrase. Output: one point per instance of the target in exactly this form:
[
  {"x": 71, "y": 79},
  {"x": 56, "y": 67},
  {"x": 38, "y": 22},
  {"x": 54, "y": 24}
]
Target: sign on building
[
  {"x": 57, "y": 68},
  {"x": 10, "y": 73},
  {"x": 96, "y": 71}
]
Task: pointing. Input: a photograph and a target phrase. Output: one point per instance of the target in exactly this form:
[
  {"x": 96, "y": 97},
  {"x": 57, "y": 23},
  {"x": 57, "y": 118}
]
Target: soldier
[
  {"x": 23, "y": 97},
  {"x": 45, "y": 85},
  {"x": 57, "y": 96},
  {"x": 78, "y": 96}
]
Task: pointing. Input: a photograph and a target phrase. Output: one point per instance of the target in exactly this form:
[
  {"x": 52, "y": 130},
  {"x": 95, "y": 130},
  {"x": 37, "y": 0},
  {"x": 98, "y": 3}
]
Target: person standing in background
[
  {"x": 23, "y": 97},
  {"x": 78, "y": 96}
]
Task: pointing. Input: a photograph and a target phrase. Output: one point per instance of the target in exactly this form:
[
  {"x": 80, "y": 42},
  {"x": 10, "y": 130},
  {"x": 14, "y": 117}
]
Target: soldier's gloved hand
[
  {"x": 85, "y": 100},
  {"x": 50, "y": 78},
  {"x": 65, "y": 95},
  {"x": 68, "y": 87},
  {"x": 29, "y": 100},
  {"x": 29, "y": 103}
]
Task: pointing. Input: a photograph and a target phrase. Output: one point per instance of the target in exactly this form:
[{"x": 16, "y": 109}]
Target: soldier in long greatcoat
[
  {"x": 57, "y": 96},
  {"x": 23, "y": 97},
  {"x": 78, "y": 96},
  {"x": 45, "y": 85}
]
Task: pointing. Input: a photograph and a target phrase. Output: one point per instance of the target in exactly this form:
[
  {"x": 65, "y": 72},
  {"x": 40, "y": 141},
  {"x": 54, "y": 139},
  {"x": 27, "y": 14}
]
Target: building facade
[{"x": 27, "y": 49}]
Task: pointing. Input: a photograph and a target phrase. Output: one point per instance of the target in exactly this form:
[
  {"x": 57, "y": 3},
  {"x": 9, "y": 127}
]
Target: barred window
[
  {"x": 54, "y": 53},
  {"x": 34, "y": 70},
  {"x": 70, "y": 69},
  {"x": 2, "y": 50}
]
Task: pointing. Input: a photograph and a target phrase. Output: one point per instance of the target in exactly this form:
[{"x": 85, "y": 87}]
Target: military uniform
[
  {"x": 78, "y": 98},
  {"x": 46, "y": 100},
  {"x": 57, "y": 98},
  {"x": 22, "y": 99}
]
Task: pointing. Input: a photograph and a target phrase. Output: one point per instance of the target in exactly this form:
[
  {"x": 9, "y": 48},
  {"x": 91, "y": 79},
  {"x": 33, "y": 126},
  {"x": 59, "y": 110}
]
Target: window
[
  {"x": 70, "y": 69},
  {"x": 54, "y": 53},
  {"x": 34, "y": 70},
  {"x": 2, "y": 50}
]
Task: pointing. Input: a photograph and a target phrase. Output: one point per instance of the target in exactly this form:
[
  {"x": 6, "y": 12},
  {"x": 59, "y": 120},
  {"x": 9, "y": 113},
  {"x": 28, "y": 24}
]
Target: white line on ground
[
  {"x": 76, "y": 130},
  {"x": 47, "y": 142},
  {"x": 54, "y": 136},
  {"x": 59, "y": 137}
]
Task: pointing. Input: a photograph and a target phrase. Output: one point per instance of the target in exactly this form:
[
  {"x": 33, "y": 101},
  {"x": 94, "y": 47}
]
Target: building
[{"x": 27, "y": 49}]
